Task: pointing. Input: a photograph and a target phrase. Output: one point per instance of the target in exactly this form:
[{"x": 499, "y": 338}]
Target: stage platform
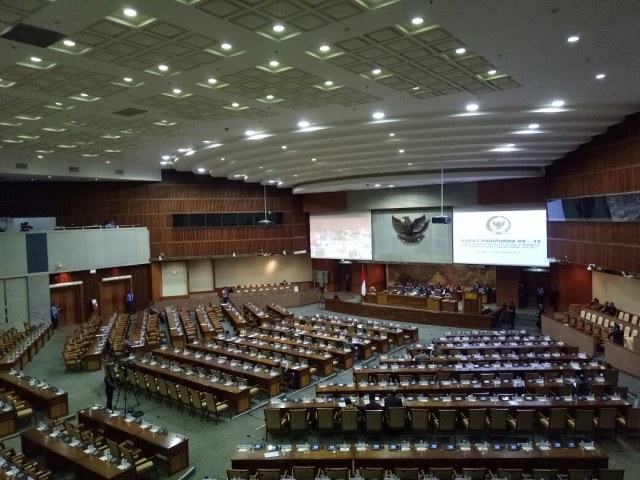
[{"x": 407, "y": 314}]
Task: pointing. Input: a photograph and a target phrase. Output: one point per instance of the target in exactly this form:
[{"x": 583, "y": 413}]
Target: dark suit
[{"x": 392, "y": 401}]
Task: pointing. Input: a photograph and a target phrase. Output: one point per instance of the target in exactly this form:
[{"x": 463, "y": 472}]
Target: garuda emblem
[{"x": 410, "y": 231}]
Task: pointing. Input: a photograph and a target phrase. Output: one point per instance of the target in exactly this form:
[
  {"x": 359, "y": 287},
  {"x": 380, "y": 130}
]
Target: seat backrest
[
  {"x": 298, "y": 419},
  {"x": 573, "y": 474},
  {"x": 610, "y": 474},
  {"x": 512, "y": 473},
  {"x": 304, "y": 473},
  {"x": 325, "y": 418},
  {"x": 272, "y": 418},
  {"x": 441, "y": 473},
  {"x": 446, "y": 420},
  {"x": 268, "y": 474},
  {"x": 407, "y": 473},
  {"x": 498, "y": 418},
  {"x": 349, "y": 420},
  {"x": 584, "y": 420},
  {"x": 237, "y": 473},
  {"x": 341, "y": 473},
  {"x": 419, "y": 419},
  {"x": 558, "y": 418},
  {"x": 372, "y": 473},
  {"x": 396, "y": 417},
  {"x": 474, "y": 473},
  {"x": 524, "y": 419},
  {"x": 607, "y": 418},
  {"x": 373, "y": 421},
  {"x": 477, "y": 418},
  {"x": 544, "y": 474}
]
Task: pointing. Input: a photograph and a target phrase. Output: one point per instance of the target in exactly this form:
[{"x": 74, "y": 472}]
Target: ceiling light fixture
[
  {"x": 461, "y": 50},
  {"x": 235, "y": 104},
  {"x": 202, "y": 170},
  {"x": 472, "y": 107},
  {"x": 284, "y": 147},
  {"x": 226, "y": 46},
  {"x": 417, "y": 20},
  {"x": 270, "y": 97},
  {"x": 377, "y": 185},
  {"x": 557, "y": 103},
  {"x": 313, "y": 159},
  {"x": 69, "y": 43},
  {"x": 130, "y": 12},
  {"x": 128, "y": 79},
  {"x": 278, "y": 28},
  {"x": 36, "y": 59},
  {"x": 409, "y": 163},
  {"x": 392, "y": 134},
  {"x": 328, "y": 83},
  {"x": 249, "y": 133},
  {"x": 573, "y": 38},
  {"x": 325, "y": 48},
  {"x": 533, "y": 126},
  {"x": 274, "y": 63},
  {"x": 163, "y": 68},
  {"x": 376, "y": 71},
  {"x": 177, "y": 91},
  {"x": 303, "y": 124},
  {"x": 378, "y": 115},
  {"x": 212, "y": 81},
  {"x": 401, "y": 150},
  {"x": 492, "y": 72},
  {"x": 600, "y": 76}
]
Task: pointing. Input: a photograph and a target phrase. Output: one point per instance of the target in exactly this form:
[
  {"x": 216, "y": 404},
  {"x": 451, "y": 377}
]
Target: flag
[{"x": 363, "y": 290}]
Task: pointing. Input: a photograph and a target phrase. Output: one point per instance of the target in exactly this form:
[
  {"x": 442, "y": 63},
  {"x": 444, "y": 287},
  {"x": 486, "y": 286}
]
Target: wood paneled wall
[
  {"x": 574, "y": 284},
  {"x": 610, "y": 163},
  {"x": 324, "y": 202},
  {"x": 517, "y": 190},
  {"x": 152, "y": 205}
]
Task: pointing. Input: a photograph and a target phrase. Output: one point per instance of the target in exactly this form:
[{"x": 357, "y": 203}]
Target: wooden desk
[
  {"x": 175, "y": 448},
  {"x": 256, "y": 313},
  {"x": 54, "y": 403},
  {"x": 239, "y": 397},
  {"x": 561, "y": 458},
  {"x": 176, "y": 333},
  {"x": 18, "y": 357},
  {"x": 406, "y": 360},
  {"x": 263, "y": 379},
  {"x": 278, "y": 311},
  {"x": 558, "y": 330},
  {"x": 303, "y": 372},
  {"x": 237, "y": 320},
  {"x": 58, "y": 453}
]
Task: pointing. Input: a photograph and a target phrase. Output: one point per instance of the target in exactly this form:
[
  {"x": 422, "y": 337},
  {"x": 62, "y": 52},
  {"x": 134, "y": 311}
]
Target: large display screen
[
  {"x": 341, "y": 236},
  {"x": 500, "y": 237}
]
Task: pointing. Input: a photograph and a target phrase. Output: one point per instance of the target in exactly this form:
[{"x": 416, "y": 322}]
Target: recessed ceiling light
[
  {"x": 130, "y": 12},
  {"x": 36, "y": 59},
  {"x": 189, "y": 153},
  {"x": 492, "y": 72},
  {"x": 573, "y": 39},
  {"x": 274, "y": 63},
  {"x": 461, "y": 50},
  {"x": 391, "y": 186},
  {"x": 222, "y": 159},
  {"x": 600, "y": 76},
  {"x": 235, "y": 104},
  {"x": 59, "y": 104},
  {"x": 401, "y": 150},
  {"x": 96, "y": 179},
  {"x": 177, "y": 91},
  {"x": 409, "y": 163},
  {"x": 378, "y": 115},
  {"x": 212, "y": 81},
  {"x": 533, "y": 126},
  {"x": 107, "y": 161},
  {"x": 248, "y": 133},
  {"x": 377, "y": 185},
  {"x": 303, "y": 124},
  {"x": 328, "y": 83},
  {"x": 557, "y": 103},
  {"x": 278, "y": 28},
  {"x": 269, "y": 97},
  {"x": 392, "y": 134},
  {"x": 83, "y": 94},
  {"x": 226, "y": 46},
  {"x": 416, "y": 88},
  {"x": 163, "y": 68},
  {"x": 69, "y": 43},
  {"x": 166, "y": 157},
  {"x": 325, "y": 48},
  {"x": 202, "y": 170},
  {"x": 417, "y": 20},
  {"x": 183, "y": 149},
  {"x": 472, "y": 107},
  {"x": 284, "y": 147},
  {"x": 313, "y": 159},
  {"x": 40, "y": 156},
  {"x": 128, "y": 79},
  {"x": 376, "y": 71}
]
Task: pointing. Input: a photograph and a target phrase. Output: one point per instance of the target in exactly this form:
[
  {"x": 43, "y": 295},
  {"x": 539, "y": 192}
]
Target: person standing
[
  {"x": 522, "y": 295},
  {"x": 131, "y": 303},
  {"x": 55, "y": 316},
  {"x": 539, "y": 316},
  {"x": 540, "y": 293},
  {"x": 109, "y": 388},
  {"x": 225, "y": 295}
]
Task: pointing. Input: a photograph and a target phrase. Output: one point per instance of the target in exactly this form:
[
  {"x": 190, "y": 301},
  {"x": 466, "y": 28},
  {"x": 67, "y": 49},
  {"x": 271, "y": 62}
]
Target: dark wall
[{"x": 153, "y": 204}]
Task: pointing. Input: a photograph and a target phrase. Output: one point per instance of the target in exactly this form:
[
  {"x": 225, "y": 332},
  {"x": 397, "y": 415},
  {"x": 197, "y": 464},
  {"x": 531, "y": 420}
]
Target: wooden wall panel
[
  {"x": 324, "y": 202},
  {"x": 574, "y": 284},
  {"x": 507, "y": 281},
  {"x": 518, "y": 190},
  {"x": 152, "y": 205}
]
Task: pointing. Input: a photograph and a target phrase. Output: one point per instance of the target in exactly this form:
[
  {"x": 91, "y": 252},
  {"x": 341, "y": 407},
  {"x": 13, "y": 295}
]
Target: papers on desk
[{"x": 514, "y": 402}]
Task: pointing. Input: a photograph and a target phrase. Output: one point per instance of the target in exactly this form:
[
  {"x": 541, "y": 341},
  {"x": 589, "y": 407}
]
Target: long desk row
[
  {"x": 423, "y": 456},
  {"x": 52, "y": 401},
  {"x": 27, "y": 348}
]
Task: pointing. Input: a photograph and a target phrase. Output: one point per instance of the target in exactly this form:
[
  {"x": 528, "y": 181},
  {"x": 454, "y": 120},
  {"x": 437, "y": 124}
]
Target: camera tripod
[
  {"x": 123, "y": 390},
  {"x": 321, "y": 298}
]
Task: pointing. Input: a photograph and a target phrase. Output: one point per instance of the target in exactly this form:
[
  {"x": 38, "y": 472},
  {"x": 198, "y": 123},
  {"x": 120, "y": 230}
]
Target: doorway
[
  {"x": 68, "y": 299},
  {"x": 113, "y": 296}
]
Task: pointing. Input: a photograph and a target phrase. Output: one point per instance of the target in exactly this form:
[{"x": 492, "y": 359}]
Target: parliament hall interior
[{"x": 319, "y": 239}]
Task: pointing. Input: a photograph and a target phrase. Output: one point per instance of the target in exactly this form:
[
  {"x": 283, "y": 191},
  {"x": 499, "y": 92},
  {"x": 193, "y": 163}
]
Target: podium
[{"x": 472, "y": 303}]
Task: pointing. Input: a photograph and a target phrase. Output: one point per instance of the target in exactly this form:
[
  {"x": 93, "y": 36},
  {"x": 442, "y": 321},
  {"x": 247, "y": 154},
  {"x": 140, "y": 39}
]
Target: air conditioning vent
[
  {"x": 129, "y": 112},
  {"x": 74, "y": 169},
  {"x": 38, "y": 37},
  {"x": 22, "y": 166}
]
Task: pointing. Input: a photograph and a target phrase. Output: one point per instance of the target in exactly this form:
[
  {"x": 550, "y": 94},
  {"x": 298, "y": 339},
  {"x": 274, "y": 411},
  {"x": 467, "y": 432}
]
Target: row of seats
[
  {"x": 179, "y": 395},
  {"x": 28, "y": 467},
  {"x": 436, "y": 473},
  {"x": 479, "y": 421},
  {"x": 78, "y": 344}
]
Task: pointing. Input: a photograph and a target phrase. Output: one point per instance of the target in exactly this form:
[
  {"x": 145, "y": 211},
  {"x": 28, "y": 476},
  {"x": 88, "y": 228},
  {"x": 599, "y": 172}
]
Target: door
[
  {"x": 113, "y": 296},
  {"x": 68, "y": 300}
]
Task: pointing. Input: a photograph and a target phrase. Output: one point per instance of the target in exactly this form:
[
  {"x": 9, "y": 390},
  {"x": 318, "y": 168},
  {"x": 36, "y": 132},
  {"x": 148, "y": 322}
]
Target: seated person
[
  {"x": 612, "y": 310},
  {"x": 348, "y": 404},
  {"x": 605, "y": 307},
  {"x": 582, "y": 387},
  {"x": 372, "y": 289},
  {"x": 372, "y": 404},
  {"x": 617, "y": 335},
  {"x": 393, "y": 400},
  {"x": 595, "y": 304},
  {"x": 422, "y": 357}
]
